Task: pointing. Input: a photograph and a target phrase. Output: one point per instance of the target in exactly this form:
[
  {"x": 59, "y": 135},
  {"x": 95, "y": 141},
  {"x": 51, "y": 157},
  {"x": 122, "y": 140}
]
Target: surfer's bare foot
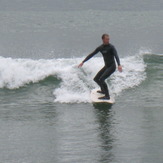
[
  {"x": 100, "y": 92},
  {"x": 104, "y": 98}
]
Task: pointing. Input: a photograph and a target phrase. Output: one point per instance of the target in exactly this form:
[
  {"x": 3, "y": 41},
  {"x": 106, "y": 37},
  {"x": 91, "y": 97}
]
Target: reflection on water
[{"x": 104, "y": 116}]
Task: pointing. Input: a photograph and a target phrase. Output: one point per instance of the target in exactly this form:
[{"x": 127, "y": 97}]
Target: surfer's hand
[
  {"x": 120, "y": 68},
  {"x": 80, "y": 65}
]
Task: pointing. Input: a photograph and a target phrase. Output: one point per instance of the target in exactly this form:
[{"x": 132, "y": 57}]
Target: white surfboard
[{"x": 95, "y": 95}]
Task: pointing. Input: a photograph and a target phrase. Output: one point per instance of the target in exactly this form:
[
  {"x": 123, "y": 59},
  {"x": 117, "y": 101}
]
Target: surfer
[{"x": 109, "y": 53}]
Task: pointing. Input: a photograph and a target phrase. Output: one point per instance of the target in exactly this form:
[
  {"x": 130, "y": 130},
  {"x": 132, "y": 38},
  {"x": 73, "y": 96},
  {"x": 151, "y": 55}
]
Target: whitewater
[{"x": 75, "y": 83}]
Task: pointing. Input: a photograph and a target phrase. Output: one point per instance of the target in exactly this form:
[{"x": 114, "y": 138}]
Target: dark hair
[{"x": 104, "y": 35}]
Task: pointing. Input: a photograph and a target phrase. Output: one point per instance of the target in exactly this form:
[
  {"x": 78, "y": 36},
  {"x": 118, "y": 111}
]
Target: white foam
[
  {"x": 15, "y": 73},
  {"x": 75, "y": 83}
]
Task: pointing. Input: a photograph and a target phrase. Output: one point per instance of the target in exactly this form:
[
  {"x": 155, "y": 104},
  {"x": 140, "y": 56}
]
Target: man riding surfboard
[{"x": 109, "y": 54}]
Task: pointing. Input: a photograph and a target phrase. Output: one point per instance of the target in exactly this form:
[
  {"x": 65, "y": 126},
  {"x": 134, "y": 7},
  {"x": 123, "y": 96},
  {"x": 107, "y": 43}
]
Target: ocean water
[{"x": 46, "y": 114}]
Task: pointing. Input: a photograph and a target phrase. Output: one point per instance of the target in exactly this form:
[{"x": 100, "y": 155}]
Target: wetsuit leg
[
  {"x": 108, "y": 71},
  {"x": 97, "y": 77}
]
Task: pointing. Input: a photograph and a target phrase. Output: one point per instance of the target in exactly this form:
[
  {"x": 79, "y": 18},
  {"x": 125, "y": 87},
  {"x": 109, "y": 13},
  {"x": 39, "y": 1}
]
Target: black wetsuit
[{"x": 109, "y": 53}]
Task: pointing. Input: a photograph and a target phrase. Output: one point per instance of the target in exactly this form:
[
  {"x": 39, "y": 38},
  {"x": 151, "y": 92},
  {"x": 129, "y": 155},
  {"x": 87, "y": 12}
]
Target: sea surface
[{"x": 46, "y": 115}]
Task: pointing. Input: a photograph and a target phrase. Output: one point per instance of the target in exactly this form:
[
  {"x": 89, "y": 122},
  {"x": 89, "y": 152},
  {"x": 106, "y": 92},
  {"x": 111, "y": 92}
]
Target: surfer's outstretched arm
[
  {"x": 114, "y": 51},
  {"x": 117, "y": 59},
  {"x": 89, "y": 57}
]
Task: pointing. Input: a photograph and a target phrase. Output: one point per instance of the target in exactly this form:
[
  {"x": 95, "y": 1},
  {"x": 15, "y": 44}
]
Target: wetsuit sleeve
[
  {"x": 116, "y": 56},
  {"x": 91, "y": 55}
]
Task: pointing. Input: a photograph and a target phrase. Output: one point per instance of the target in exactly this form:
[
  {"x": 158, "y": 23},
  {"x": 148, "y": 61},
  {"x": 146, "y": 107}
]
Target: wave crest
[{"x": 75, "y": 84}]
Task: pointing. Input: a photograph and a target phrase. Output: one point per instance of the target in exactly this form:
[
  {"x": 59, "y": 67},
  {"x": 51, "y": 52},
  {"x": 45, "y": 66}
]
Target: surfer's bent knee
[{"x": 95, "y": 79}]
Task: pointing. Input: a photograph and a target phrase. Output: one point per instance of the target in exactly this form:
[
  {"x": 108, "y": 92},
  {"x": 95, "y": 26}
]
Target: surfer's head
[{"x": 105, "y": 39}]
